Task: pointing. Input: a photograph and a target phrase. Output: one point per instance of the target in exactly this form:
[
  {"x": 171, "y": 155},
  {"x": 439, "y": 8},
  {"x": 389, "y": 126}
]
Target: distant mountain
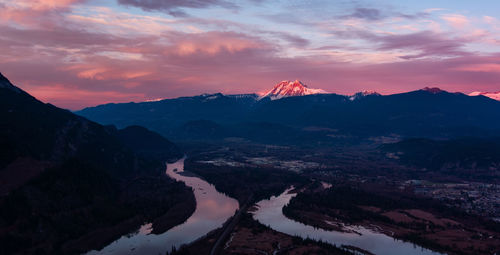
[
  {"x": 429, "y": 112},
  {"x": 492, "y": 95},
  {"x": 68, "y": 184},
  {"x": 433, "y": 90},
  {"x": 291, "y": 89},
  {"x": 363, "y": 94}
]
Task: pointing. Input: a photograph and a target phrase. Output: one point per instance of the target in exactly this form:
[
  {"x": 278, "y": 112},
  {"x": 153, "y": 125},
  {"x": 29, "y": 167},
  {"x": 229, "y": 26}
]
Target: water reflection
[
  {"x": 212, "y": 210},
  {"x": 270, "y": 213}
]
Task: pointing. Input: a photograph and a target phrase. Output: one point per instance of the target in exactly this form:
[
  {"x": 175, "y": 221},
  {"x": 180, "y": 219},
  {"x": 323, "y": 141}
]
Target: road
[{"x": 228, "y": 228}]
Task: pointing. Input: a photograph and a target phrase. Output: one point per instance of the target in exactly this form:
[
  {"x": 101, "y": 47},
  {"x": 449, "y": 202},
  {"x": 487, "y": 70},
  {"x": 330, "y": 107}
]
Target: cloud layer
[
  {"x": 75, "y": 53},
  {"x": 174, "y": 7}
]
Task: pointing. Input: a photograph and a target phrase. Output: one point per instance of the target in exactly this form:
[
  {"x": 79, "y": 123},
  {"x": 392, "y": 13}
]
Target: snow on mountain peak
[
  {"x": 363, "y": 94},
  {"x": 492, "y": 95},
  {"x": 290, "y": 89}
]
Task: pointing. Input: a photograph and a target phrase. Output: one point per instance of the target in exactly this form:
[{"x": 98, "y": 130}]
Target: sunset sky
[{"x": 77, "y": 53}]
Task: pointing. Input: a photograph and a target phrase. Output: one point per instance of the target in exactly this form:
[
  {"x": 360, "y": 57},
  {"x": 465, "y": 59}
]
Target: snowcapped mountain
[
  {"x": 363, "y": 94},
  {"x": 492, "y": 95},
  {"x": 290, "y": 89}
]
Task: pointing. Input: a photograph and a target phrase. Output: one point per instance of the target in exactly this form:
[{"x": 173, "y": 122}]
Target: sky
[{"x": 80, "y": 53}]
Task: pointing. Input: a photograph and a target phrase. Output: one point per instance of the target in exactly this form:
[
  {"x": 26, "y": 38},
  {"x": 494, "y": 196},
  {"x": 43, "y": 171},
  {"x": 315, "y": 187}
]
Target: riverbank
[
  {"x": 402, "y": 217},
  {"x": 175, "y": 215},
  {"x": 270, "y": 212},
  {"x": 250, "y": 237},
  {"x": 212, "y": 210},
  {"x": 243, "y": 183}
]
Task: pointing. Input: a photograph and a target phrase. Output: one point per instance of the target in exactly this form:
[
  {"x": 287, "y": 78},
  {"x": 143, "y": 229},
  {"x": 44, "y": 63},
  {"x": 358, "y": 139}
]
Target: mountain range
[{"x": 282, "y": 115}]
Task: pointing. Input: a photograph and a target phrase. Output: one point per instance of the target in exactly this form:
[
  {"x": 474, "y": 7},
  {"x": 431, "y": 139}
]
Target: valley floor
[{"x": 404, "y": 213}]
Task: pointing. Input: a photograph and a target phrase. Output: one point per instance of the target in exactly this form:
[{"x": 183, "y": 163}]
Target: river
[
  {"x": 212, "y": 210},
  {"x": 270, "y": 214}
]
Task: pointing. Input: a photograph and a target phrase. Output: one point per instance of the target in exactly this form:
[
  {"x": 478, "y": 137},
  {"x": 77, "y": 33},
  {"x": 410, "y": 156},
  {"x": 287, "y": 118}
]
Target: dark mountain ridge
[{"x": 68, "y": 184}]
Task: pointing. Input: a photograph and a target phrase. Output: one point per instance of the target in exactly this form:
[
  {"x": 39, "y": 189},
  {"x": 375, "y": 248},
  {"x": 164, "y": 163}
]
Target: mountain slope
[
  {"x": 68, "y": 184},
  {"x": 149, "y": 144}
]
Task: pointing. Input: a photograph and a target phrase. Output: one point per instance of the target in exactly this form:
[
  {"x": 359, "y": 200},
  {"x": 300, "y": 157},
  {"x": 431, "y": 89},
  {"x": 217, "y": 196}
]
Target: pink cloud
[
  {"x": 457, "y": 21},
  {"x": 211, "y": 43},
  {"x": 34, "y": 13},
  {"x": 480, "y": 68}
]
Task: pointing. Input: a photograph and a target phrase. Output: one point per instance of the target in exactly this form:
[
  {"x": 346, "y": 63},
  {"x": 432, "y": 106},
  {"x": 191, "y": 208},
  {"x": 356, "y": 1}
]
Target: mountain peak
[
  {"x": 6, "y": 84},
  {"x": 291, "y": 88},
  {"x": 363, "y": 93},
  {"x": 434, "y": 90},
  {"x": 492, "y": 95}
]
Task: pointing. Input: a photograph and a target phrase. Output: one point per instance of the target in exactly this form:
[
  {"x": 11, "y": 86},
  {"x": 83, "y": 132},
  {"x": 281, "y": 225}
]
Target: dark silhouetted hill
[{"x": 68, "y": 184}]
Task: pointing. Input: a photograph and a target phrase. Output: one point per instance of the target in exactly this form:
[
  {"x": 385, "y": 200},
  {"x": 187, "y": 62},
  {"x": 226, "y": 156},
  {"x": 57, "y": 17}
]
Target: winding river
[
  {"x": 212, "y": 210},
  {"x": 270, "y": 214}
]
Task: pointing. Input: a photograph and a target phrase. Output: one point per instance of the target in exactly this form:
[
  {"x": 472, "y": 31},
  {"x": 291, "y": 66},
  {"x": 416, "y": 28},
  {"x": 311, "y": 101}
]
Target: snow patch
[
  {"x": 363, "y": 94},
  {"x": 492, "y": 95}
]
